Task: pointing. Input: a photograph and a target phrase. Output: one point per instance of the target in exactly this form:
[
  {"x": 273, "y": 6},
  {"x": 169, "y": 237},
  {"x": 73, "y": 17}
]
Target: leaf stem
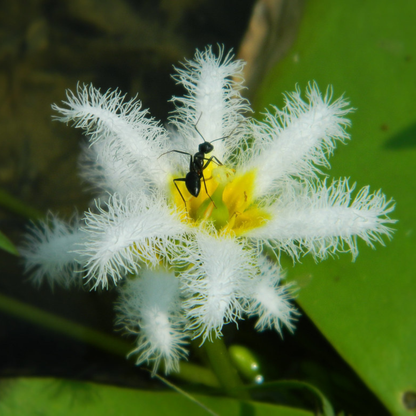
[{"x": 224, "y": 369}]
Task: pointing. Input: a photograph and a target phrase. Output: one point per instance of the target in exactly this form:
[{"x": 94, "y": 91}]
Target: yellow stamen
[{"x": 231, "y": 207}]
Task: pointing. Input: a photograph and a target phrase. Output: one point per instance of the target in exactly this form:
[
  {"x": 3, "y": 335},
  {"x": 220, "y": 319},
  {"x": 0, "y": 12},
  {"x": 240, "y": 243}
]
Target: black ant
[{"x": 197, "y": 164}]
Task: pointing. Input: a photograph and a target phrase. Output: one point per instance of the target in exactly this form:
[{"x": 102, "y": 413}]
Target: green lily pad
[
  {"x": 53, "y": 397},
  {"x": 366, "y": 309}
]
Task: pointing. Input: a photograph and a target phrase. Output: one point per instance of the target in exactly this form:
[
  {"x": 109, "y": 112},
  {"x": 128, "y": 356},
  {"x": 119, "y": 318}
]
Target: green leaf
[
  {"x": 366, "y": 309},
  {"x": 18, "y": 207},
  {"x": 7, "y": 245},
  {"x": 52, "y": 397}
]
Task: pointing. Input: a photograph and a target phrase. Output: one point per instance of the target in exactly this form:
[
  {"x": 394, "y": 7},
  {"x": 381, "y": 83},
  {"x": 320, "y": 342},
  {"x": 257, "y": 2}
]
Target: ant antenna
[
  {"x": 228, "y": 135},
  {"x": 196, "y": 128},
  {"x": 221, "y": 138}
]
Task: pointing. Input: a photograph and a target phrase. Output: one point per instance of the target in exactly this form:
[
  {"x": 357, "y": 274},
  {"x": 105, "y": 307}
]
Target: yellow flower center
[{"x": 231, "y": 207}]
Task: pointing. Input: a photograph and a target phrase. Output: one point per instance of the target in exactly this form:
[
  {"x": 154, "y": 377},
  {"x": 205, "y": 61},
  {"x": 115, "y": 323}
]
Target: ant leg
[
  {"x": 211, "y": 159},
  {"x": 182, "y": 153},
  {"x": 214, "y": 159},
  {"x": 180, "y": 193},
  {"x": 206, "y": 190}
]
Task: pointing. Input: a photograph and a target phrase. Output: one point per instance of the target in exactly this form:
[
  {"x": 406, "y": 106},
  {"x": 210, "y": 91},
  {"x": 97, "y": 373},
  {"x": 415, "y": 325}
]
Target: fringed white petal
[
  {"x": 213, "y": 105},
  {"x": 128, "y": 231},
  {"x": 150, "y": 307},
  {"x": 106, "y": 171},
  {"x": 270, "y": 300},
  {"x": 323, "y": 220},
  {"x": 130, "y": 135},
  {"x": 221, "y": 267},
  {"x": 50, "y": 254},
  {"x": 296, "y": 140}
]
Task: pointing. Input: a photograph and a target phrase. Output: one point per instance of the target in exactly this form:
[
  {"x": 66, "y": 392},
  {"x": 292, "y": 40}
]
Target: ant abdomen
[{"x": 193, "y": 183}]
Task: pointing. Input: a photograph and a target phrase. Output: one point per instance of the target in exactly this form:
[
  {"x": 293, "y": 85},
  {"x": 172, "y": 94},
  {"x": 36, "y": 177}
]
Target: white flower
[{"x": 202, "y": 199}]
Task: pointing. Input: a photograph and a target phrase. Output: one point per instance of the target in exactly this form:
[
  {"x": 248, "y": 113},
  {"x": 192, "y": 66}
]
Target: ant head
[{"x": 206, "y": 147}]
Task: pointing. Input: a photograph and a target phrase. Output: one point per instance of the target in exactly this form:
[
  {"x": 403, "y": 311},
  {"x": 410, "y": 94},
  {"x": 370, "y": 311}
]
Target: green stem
[
  {"x": 224, "y": 369},
  {"x": 196, "y": 374},
  {"x": 188, "y": 372}
]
